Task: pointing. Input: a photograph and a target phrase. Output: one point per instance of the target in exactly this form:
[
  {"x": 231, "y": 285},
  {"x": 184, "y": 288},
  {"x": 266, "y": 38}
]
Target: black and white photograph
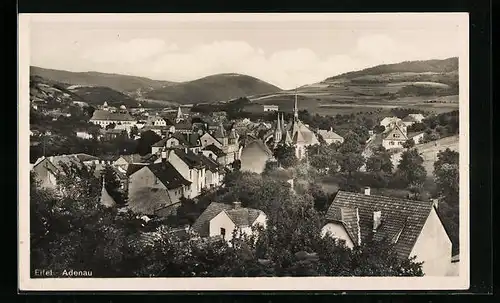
[{"x": 243, "y": 151}]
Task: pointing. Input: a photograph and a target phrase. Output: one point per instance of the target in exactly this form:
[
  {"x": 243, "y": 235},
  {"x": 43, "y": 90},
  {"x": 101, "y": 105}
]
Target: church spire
[
  {"x": 295, "y": 109},
  {"x": 178, "y": 118},
  {"x": 278, "y": 131}
]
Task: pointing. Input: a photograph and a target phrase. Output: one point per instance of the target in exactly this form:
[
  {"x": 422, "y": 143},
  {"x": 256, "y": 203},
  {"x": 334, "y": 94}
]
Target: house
[
  {"x": 254, "y": 156},
  {"x": 330, "y": 136},
  {"x": 123, "y": 161},
  {"x": 154, "y": 187},
  {"x": 156, "y": 121},
  {"x": 84, "y": 135},
  {"x": 226, "y": 141},
  {"x": 214, "y": 172},
  {"x": 394, "y": 137},
  {"x": 190, "y": 166},
  {"x": 213, "y": 152},
  {"x": 221, "y": 220},
  {"x": 413, "y": 227},
  {"x": 104, "y": 118},
  {"x": 389, "y": 120},
  {"x": 417, "y": 117},
  {"x": 177, "y": 140},
  {"x": 46, "y": 169},
  {"x": 397, "y": 135},
  {"x": 260, "y": 108},
  {"x": 111, "y": 134},
  {"x": 184, "y": 127}
]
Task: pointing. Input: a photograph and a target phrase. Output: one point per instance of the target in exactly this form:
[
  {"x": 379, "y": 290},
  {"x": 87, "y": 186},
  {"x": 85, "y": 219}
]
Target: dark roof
[
  {"x": 107, "y": 115},
  {"x": 132, "y": 168},
  {"x": 190, "y": 158},
  {"x": 349, "y": 218},
  {"x": 243, "y": 216},
  {"x": 168, "y": 175},
  {"x": 183, "y": 125},
  {"x": 240, "y": 217},
  {"x": 217, "y": 151},
  {"x": 398, "y": 216},
  {"x": 210, "y": 163},
  {"x": 409, "y": 119}
]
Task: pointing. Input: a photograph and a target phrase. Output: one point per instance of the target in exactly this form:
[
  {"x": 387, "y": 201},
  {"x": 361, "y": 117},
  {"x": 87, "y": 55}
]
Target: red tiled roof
[{"x": 398, "y": 215}]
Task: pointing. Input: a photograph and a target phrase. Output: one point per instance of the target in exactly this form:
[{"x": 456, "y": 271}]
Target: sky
[{"x": 287, "y": 50}]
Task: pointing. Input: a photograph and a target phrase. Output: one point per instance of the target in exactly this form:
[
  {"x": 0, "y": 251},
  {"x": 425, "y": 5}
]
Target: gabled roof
[
  {"x": 168, "y": 175},
  {"x": 191, "y": 159},
  {"x": 132, "y": 168},
  {"x": 308, "y": 137},
  {"x": 399, "y": 216},
  {"x": 106, "y": 199},
  {"x": 220, "y": 132},
  {"x": 184, "y": 125},
  {"x": 211, "y": 165},
  {"x": 243, "y": 216},
  {"x": 396, "y": 130},
  {"x": 328, "y": 134},
  {"x": 240, "y": 217},
  {"x": 202, "y": 224},
  {"x": 349, "y": 218},
  {"x": 86, "y": 157},
  {"x": 217, "y": 151},
  {"x": 111, "y": 116}
]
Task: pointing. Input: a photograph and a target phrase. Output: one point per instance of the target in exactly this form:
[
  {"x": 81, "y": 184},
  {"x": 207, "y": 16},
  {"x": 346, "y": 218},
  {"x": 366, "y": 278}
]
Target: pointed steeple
[
  {"x": 278, "y": 131},
  {"x": 295, "y": 109},
  {"x": 287, "y": 139},
  {"x": 283, "y": 122},
  {"x": 106, "y": 199},
  {"x": 178, "y": 117}
]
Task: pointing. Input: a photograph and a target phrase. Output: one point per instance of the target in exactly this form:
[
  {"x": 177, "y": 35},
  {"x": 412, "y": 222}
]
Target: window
[
  {"x": 156, "y": 180},
  {"x": 391, "y": 143},
  {"x": 223, "y": 232}
]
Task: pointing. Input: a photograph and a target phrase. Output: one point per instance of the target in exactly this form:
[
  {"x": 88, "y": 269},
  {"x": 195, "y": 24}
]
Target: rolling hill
[
  {"x": 431, "y": 83},
  {"x": 220, "y": 87},
  {"x": 121, "y": 83},
  {"x": 49, "y": 91}
]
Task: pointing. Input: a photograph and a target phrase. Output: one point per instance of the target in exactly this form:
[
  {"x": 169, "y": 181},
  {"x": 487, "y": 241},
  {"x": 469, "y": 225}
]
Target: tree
[
  {"x": 110, "y": 126},
  {"x": 187, "y": 212},
  {"x": 113, "y": 185},
  {"x": 411, "y": 167},
  {"x": 236, "y": 165},
  {"x": 379, "y": 161},
  {"x": 379, "y": 129},
  {"x": 446, "y": 156},
  {"x": 147, "y": 139},
  {"x": 285, "y": 155},
  {"x": 134, "y": 131},
  {"x": 351, "y": 162},
  {"x": 410, "y": 143}
]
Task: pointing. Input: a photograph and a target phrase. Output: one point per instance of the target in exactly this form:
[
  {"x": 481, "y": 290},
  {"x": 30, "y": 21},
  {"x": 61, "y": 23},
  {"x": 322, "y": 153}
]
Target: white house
[
  {"x": 330, "y": 136},
  {"x": 224, "y": 220},
  {"x": 414, "y": 227},
  {"x": 190, "y": 166},
  {"x": 104, "y": 118},
  {"x": 389, "y": 120}
]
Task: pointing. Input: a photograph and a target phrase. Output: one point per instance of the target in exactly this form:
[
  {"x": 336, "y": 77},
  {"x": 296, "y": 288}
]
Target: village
[{"x": 193, "y": 157}]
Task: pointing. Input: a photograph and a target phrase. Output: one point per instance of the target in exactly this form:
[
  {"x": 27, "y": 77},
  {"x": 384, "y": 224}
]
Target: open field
[{"x": 430, "y": 150}]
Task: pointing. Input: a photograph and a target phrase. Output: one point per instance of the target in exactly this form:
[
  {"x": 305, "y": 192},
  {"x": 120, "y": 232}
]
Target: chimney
[
  {"x": 186, "y": 150},
  {"x": 367, "y": 191},
  {"x": 164, "y": 156},
  {"x": 236, "y": 205},
  {"x": 377, "y": 220}
]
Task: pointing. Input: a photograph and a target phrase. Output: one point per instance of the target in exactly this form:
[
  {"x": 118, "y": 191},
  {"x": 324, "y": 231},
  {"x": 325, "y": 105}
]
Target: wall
[
  {"x": 337, "y": 231},
  {"x": 188, "y": 174},
  {"x": 47, "y": 179},
  {"x": 396, "y": 144},
  {"x": 138, "y": 181},
  {"x": 207, "y": 139},
  {"x": 253, "y": 158},
  {"x": 418, "y": 138},
  {"x": 221, "y": 221},
  {"x": 433, "y": 246}
]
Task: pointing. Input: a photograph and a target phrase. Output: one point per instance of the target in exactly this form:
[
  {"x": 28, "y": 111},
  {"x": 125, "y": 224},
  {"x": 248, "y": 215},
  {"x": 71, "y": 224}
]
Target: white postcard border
[{"x": 237, "y": 284}]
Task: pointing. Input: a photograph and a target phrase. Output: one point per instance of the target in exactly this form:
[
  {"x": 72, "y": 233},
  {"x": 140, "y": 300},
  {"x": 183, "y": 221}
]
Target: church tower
[
  {"x": 178, "y": 118},
  {"x": 278, "y": 131},
  {"x": 295, "y": 109}
]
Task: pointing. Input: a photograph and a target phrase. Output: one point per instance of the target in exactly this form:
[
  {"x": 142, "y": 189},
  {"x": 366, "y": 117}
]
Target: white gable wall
[
  {"x": 337, "y": 231},
  {"x": 433, "y": 246},
  {"x": 221, "y": 221}
]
